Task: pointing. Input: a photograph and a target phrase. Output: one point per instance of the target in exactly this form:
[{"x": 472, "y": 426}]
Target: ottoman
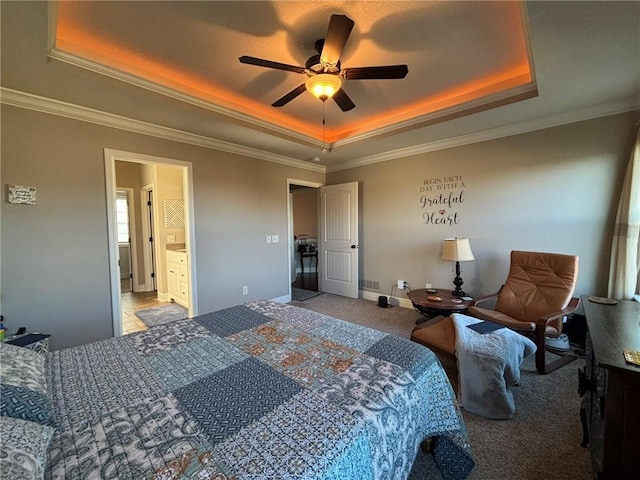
[
  {"x": 437, "y": 334},
  {"x": 488, "y": 363}
]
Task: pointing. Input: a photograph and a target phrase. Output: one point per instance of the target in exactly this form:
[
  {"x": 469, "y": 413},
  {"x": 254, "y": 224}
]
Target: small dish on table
[{"x": 603, "y": 300}]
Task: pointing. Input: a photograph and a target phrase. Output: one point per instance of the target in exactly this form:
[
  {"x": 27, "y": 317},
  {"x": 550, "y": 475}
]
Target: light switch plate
[{"x": 268, "y": 238}]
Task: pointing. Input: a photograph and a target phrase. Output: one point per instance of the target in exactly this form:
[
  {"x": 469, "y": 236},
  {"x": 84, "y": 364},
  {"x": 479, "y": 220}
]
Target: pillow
[
  {"x": 23, "y": 448},
  {"x": 23, "y": 389}
]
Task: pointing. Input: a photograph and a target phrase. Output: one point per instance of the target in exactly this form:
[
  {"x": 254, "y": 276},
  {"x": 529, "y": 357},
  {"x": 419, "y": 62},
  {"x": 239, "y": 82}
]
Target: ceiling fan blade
[
  {"x": 289, "y": 96},
  {"x": 260, "y": 62},
  {"x": 337, "y": 35},
  {"x": 371, "y": 73},
  {"x": 343, "y": 101}
]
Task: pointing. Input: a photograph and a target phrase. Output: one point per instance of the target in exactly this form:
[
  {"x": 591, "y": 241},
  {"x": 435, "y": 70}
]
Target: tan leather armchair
[{"x": 534, "y": 299}]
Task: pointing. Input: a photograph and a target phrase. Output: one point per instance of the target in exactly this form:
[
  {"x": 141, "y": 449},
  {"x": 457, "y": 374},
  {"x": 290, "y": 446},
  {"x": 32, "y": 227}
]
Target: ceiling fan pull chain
[{"x": 324, "y": 127}]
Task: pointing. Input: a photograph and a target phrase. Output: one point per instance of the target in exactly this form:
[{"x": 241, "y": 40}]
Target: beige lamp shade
[{"x": 457, "y": 250}]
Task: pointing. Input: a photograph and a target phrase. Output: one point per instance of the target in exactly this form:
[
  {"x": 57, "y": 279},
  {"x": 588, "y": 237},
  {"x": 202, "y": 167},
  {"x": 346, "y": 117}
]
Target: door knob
[{"x": 354, "y": 246}]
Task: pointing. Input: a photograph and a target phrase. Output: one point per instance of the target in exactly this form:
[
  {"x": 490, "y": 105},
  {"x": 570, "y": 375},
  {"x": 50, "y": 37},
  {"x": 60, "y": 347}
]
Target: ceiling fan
[{"x": 323, "y": 70}]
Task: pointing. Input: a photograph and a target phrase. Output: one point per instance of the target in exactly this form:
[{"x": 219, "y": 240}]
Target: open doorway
[
  {"x": 144, "y": 295},
  {"x": 160, "y": 220},
  {"x": 336, "y": 244},
  {"x": 303, "y": 233}
]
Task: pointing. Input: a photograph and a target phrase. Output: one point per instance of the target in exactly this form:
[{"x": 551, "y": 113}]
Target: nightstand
[{"x": 434, "y": 302}]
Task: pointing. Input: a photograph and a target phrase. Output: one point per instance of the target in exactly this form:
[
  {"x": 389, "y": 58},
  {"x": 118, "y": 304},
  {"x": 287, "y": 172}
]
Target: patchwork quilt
[{"x": 257, "y": 391}]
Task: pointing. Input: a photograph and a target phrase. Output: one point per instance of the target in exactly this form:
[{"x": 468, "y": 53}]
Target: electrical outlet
[
  {"x": 427, "y": 285},
  {"x": 275, "y": 239},
  {"x": 245, "y": 290},
  {"x": 171, "y": 239},
  {"x": 400, "y": 284}
]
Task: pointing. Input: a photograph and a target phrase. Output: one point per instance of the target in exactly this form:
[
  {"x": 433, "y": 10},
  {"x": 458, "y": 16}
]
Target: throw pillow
[
  {"x": 23, "y": 448},
  {"x": 23, "y": 389}
]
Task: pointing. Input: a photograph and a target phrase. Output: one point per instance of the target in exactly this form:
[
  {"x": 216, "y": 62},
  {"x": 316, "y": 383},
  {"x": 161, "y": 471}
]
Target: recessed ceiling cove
[{"x": 462, "y": 57}]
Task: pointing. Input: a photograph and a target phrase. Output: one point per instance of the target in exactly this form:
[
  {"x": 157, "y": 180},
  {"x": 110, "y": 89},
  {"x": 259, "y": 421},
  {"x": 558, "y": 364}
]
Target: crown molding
[
  {"x": 104, "y": 70},
  {"x": 486, "y": 102},
  {"x": 63, "y": 109},
  {"x": 588, "y": 113},
  {"x": 68, "y": 110}
]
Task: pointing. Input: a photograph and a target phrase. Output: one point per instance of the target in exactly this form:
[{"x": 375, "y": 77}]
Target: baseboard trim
[
  {"x": 282, "y": 299},
  {"x": 395, "y": 301},
  {"x": 372, "y": 296}
]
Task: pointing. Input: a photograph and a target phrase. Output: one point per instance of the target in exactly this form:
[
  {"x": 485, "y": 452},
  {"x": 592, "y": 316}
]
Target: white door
[{"x": 338, "y": 241}]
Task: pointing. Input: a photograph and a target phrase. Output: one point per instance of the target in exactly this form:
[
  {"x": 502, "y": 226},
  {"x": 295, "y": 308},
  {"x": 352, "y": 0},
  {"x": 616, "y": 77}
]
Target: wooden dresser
[{"x": 610, "y": 409}]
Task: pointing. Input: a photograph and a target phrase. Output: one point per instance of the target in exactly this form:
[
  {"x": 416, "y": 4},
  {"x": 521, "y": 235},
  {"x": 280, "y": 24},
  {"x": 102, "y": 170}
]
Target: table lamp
[{"x": 457, "y": 250}]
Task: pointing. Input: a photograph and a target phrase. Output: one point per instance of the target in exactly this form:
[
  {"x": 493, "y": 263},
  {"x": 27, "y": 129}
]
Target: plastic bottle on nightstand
[{"x": 1, "y": 328}]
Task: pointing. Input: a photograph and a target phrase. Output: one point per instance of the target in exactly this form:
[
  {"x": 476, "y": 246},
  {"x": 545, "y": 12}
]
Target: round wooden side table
[{"x": 436, "y": 302}]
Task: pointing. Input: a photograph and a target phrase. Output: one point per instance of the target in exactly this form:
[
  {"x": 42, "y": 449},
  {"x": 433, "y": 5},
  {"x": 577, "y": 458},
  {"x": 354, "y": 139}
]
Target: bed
[{"x": 257, "y": 391}]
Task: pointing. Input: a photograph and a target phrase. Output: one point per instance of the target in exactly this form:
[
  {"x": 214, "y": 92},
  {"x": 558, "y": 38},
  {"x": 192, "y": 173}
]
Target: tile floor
[{"x": 133, "y": 301}]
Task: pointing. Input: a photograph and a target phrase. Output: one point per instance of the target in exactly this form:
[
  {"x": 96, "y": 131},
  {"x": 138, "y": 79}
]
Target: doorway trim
[
  {"x": 304, "y": 183},
  {"x": 149, "y": 255},
  {"x": 110, "y": 158}
]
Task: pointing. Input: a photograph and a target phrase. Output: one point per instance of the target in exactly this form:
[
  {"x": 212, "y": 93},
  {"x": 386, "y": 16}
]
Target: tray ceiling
[{"x": 463, "y": 57}]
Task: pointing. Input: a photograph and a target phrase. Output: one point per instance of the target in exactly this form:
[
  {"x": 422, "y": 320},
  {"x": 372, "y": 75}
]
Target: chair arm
[
  {"x": 573, "y": 304},
  {"x": 484, "y": 298}
]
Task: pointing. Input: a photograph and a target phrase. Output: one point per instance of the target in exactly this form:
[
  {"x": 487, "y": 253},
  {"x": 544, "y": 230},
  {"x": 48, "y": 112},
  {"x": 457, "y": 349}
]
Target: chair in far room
[{"x": 534, "y": 300}]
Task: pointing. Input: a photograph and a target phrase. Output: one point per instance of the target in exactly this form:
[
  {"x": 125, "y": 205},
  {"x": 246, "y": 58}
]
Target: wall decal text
[{"x": 440, "y": 200}]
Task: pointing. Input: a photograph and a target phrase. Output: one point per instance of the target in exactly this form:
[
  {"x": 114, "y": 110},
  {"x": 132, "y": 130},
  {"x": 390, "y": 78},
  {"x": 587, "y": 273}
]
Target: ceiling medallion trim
[{"x": 89, "y": 115}]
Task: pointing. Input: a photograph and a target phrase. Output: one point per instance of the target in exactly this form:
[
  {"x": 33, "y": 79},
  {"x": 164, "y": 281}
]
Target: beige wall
[
  {"x": 552, "y": 190},
  {"x": 55, "y": 264},
  {"x": 305, "y": 212}
]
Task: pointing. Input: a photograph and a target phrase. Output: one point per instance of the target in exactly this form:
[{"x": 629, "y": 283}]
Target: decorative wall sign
[
  {"x": 174, "y": 213},
  {"x": 22, "y": 194},
  {"x": 440, "y": 200}
]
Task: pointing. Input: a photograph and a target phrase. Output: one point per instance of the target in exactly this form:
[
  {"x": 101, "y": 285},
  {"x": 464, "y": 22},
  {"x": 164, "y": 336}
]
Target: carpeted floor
[
  {"x": 154, "y": 316},
  {"x": 541, "y": 440}
]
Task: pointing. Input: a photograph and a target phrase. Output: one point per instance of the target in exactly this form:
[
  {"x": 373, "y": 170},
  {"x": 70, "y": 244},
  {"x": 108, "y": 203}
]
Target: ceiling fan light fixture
[{"x": 323, "y": 86}]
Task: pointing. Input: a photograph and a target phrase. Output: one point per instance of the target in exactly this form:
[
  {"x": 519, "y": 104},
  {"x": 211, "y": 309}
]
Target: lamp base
[{"x": 458, "y": 292}]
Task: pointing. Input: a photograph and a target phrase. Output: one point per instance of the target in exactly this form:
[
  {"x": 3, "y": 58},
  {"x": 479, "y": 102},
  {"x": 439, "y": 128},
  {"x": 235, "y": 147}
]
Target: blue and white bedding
[{"x": 258, "y": 391}]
